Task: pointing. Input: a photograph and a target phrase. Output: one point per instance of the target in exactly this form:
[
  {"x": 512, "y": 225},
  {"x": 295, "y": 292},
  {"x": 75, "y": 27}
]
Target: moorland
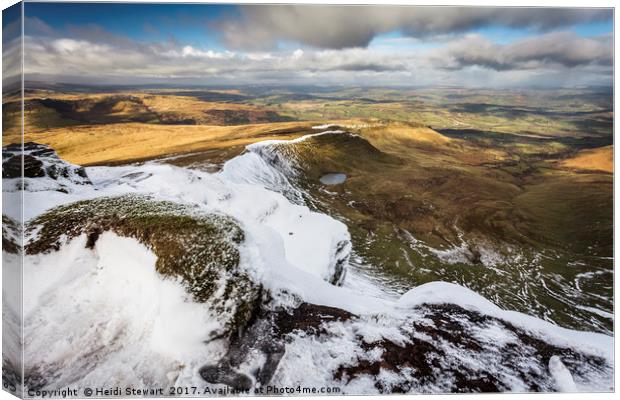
[{"x": 507, "y": 192}]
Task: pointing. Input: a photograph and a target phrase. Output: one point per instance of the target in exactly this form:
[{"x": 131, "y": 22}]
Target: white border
[{"x": 507, "y": 3}]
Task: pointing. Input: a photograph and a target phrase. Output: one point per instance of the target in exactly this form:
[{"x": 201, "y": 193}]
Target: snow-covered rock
[{"x": 43, "y": 170}]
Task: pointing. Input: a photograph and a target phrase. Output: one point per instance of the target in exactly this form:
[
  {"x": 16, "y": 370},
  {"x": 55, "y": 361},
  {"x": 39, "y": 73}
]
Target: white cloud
[
  {"x": 189, "y": 51},
  {"x": 470, "y": 59},
  {"x": 297, "y": 54}
]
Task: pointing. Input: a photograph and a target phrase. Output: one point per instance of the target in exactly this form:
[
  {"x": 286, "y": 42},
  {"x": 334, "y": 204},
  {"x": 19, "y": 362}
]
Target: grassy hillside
[
  {"x": 598, "y": 159},
  {"x": 505, "y": 220},
  {"x": 49, "y": 110},
  {"x": 126, "y": 142}
]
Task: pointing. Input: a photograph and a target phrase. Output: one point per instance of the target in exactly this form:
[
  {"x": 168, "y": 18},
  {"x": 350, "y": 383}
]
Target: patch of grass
[
  {"x": 11, "y": 234},
  {"x": 572, "y": 212},
  {"x": 11, "y": 122}
]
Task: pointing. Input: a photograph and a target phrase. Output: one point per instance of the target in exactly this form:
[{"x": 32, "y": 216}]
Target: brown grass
[
  {"x": 402, "y": 138},
  {"x": 45, "y": 110},
  {"x": 125, "y": 142},
  {"x": 402, "y": 132},
  {"x": 203, "y": 112},
  {"x": 599, "y": 159}
]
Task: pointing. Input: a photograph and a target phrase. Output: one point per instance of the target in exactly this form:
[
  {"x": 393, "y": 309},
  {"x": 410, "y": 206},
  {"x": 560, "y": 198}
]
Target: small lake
[{"x": 333, "y": 179}]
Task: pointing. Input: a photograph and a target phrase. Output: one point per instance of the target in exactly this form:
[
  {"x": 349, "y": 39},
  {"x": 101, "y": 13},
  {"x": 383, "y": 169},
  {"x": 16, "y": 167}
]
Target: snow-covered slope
[{"x": 103, "y": 316}]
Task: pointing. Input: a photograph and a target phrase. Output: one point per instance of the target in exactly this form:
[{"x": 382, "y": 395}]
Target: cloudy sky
[{"x": 108, "y": 43}]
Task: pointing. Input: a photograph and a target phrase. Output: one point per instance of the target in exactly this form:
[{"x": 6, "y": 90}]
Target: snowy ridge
[
  {"x": 264, "y": 165},
  {"x": 257, "y": 168},
  {"x": 280, "y": 165}
]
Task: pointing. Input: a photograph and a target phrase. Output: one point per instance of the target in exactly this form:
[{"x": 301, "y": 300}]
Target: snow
[
  {"x": 269, "y": 143},
  {"x": 562, "y": 376},
  {"x": 324, "y": 126},
  {"x": 316, "y": 358},
  {"x": 109, "y": 307},
  {"x": 11, "y": 308},
  {"x": 253, "y": 168},
  {"x": 259, "y": 210}
]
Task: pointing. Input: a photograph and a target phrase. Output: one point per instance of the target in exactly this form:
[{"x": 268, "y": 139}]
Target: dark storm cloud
[
  {"x": 557, "y": 49},
  {"x": 337, "y": 27}
]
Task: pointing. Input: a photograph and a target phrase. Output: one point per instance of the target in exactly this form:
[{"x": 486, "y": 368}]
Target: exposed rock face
[
  {"x": 440, "y": 348},
  {"x": 41, "y": 161},
  {"x": 456, "y": 350},
  {"x": 12, "y": 167},
  {"x": 200, "y": 249},
  {"x": 267, "y": 336}
]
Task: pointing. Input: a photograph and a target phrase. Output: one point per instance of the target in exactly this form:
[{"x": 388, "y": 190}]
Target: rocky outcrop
[
  {"x": 439, "y": 348},
  {"x": 459, "y": 350},
  {"x": 267, "y": 335},
  {"x": 40, "y": 161}
]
